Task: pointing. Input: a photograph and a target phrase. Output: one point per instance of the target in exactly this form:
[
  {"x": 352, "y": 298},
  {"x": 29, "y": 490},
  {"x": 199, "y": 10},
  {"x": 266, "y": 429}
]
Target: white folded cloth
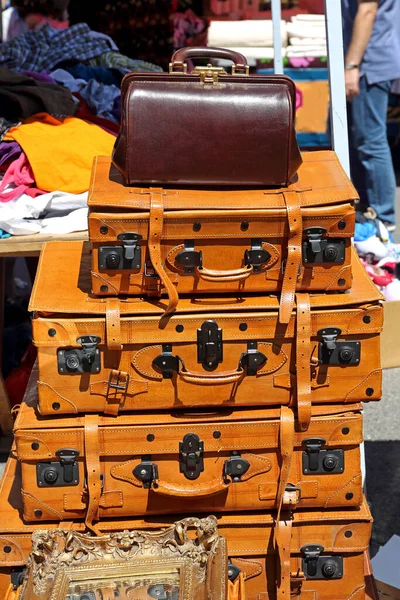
[
  {"x": 305, "y": 30},
  {"x": 52, "y": 213},
  {"x": 235, "y": 34},
  {"x": 295, "y": 41},
  {"x": 308, "y": 18},
  {"x": 306, "y": 51}
]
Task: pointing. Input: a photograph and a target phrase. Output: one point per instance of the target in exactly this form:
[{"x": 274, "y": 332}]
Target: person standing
[{"x": 371, "y": 35}]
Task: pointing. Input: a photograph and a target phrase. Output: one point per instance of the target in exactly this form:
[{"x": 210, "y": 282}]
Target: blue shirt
[{"x": 381, "y": 61}]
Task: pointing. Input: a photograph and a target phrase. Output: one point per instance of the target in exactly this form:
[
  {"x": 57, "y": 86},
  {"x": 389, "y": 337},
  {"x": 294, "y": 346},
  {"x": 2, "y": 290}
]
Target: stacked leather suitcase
[{"x": 207, "y": 354}]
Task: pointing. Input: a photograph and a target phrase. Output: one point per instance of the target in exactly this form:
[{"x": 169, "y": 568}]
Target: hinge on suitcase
[
  {"x": 191, "y": 453},
  {"x": 235, "y": 467},
  {"x": 252, "y": 360},
  {"x": 146, "y": 472},
  {"x": 163, "y": 592},
  {"x": 257, "y": 256},
  {"x": 17, "y": 577},
  {"x": 125, "y": 257},
  {"x": 209, "y": 345},
  {"x": 318, "y": 250},
  {"x": 166, "y": 362},
  {"x": 316, "y": 566},
  {"x": 189, "y": 258},
  {"x": 80, "y": 360},
  {"x": 319, "y": 461},
  {"x": 59, "y": 474},
  {"x": 233, "y": 571},
  {"x": 332, "y": 352}
]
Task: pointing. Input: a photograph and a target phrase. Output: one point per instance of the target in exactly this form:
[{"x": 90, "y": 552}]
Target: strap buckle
[
  {"x": 115, "y": 383},
  {"x": 290, "y": 488}
]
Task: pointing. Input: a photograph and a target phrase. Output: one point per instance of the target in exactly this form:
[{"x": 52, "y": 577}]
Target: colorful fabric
[
  {"x": 61, "y": 152},
  {"x": 21, "y": 97},
  {"x": 100, "y": 98},
  {"x": 9, "y": 151},
  {"x": 115, "y": 60},
  {"x": 44, "y": 49},
  {"x": 18, "y": 180}
]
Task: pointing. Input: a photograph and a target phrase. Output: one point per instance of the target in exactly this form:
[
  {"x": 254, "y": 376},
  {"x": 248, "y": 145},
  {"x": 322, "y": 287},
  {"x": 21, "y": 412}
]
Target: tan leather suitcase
[
  {"x": 99, "y": 354},
  {"x": 98, "y": 467},
  {"x": 177, "y": 241},
  {"x": 330, "y": 543}
]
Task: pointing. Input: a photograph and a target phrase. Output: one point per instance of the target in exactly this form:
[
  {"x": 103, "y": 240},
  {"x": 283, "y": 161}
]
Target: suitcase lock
[
  {"x": 80, "y": 360},
  {"x": 58, "y": 474},
  {"x": 191, "y": 452},
  {"x": 315, "y": 566},
  {"x": 318, "y": 250},
  {"x": 209, "y": 345},
  {"x": 320, "y": 461},
  {"x": 332, "y": 352},
  {"x": 125, "y": 257}
]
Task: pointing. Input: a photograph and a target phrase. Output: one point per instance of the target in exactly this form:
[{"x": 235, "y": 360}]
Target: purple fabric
[
  {"x": 41, "y": 77},
  {"x": 9, "y": 151}
]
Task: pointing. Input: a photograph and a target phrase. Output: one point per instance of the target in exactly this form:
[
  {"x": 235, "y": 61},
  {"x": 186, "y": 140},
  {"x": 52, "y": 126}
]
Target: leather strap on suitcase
[
  {"x": 292, "y": 266},
  {"x": 303, "y": 357},
  {"x": 93, "y": 477},
  {"x": 293, "y": 262},
  {"x": 283, "y": 535},
  {"x": 156, "y": 221}
]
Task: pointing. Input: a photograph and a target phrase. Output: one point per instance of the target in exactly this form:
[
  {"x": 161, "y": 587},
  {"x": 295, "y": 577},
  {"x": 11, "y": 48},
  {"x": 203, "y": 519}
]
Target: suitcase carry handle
[
  {"x": 208, "y": 379},
  {"x": 216, "y": 486},
  {"x": 223, "y": 276},
  {"x": 180, "y": 57}
]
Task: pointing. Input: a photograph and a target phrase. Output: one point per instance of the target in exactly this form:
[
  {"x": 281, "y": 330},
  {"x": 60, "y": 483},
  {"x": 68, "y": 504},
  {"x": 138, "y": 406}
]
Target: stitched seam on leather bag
[
  {"x": 338, "y": 274},
  {"x": 154, "y": 374},
  {"x": 363, "y": 382},
  {"x": 105, "y": 280},
  {"x": 100, "y": 321},
  {"x": 46, "y": 385},
  {"x": 359, "y": 589},
  {"x": 336, "y": 492},
  {"x": 249, "y": 562},
  {"x": 42, "y": 504}
]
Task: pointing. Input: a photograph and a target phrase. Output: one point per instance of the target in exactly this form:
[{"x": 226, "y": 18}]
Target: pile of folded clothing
[{"x": 59, "y": 108}]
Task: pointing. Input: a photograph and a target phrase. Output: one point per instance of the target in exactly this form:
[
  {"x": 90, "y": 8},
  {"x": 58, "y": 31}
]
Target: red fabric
[{"x": 17, "y": 381}]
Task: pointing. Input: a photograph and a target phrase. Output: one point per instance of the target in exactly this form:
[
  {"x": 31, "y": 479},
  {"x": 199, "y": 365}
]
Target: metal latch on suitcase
[
  {"x": 209, "y": 345},
  {"x": 190, "y": 259},
  {"x": 321, "y": 461},
  {"x": 146, "y": 472},
  {"x": 233, "y": 571},
  {"x": 80, "y": 360},
  {"x": 318, "y": 250},
  {"x": 191, "y": 456},
  {"x": 58, "y": 474},
  {"x": 17, "y": 577},
  {"x": 122, "y": 258},
  {"x": 315, "y": 566},
  {"x": 332, "y": 352},
  {"x": 235, "y": 467}
]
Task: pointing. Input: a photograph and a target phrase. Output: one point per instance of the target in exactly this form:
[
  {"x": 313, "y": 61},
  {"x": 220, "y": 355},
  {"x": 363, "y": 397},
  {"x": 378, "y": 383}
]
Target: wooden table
[{"x": 21, "y": 246}]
